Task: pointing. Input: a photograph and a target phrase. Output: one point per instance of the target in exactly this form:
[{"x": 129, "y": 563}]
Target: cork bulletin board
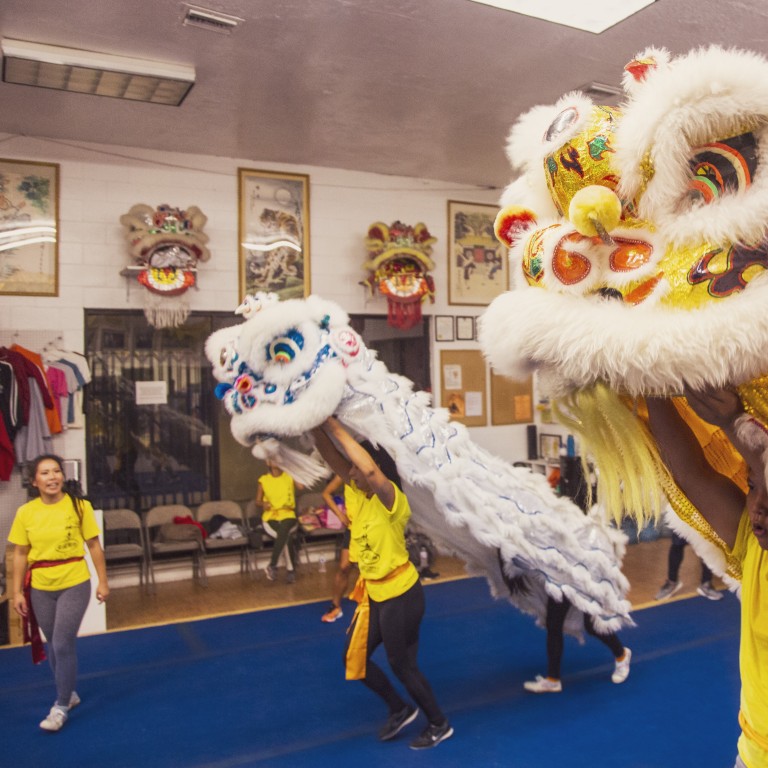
[
  {"x": 511, "y": 401},
  {"x": 462, "y": 386}
]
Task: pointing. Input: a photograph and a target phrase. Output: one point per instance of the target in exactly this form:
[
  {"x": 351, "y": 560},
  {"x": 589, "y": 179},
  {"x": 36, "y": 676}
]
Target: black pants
[
  {"x": 556, "y": 613},
  {"x": 676, "y": 551},
  {"x": 395, "y": 623}
]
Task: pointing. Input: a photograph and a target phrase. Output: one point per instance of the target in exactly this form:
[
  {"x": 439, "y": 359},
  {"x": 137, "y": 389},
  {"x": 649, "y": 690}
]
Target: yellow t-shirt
[
  {"x": 377, "y": 542},
  {"x": 54, "y": 532},
  {"x": 352, "y": 498},
  {"x": 281, "y": 494},
  {"x": 753, "y": 649}
]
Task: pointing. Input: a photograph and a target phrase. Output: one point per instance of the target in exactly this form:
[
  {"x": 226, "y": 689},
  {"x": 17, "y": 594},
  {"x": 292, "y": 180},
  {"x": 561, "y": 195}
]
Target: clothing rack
[{"x": 33, "y": 340}]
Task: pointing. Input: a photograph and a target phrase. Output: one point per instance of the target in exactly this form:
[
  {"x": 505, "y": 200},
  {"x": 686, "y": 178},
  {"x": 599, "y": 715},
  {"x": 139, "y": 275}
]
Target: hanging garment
[
  {"x": 57, "y": 383},
  {"x": 51, "y": 415},
  {"x": 79, "y": 367},
  {"x": 7, "y": 454},
  {"x": 67, "y": 399},
  {"x": 10, "y": 405},
  {"x": 34, "y": 438}
]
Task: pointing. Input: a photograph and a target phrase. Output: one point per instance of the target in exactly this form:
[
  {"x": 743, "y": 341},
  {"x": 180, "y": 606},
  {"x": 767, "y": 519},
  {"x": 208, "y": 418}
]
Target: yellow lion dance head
[{"x": 638, "y": 247}]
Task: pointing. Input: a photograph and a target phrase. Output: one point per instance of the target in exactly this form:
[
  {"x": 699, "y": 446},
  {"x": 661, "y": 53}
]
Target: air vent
[
  {"x": 213, "y": 21},
  {"x": 602, "y": 93}
]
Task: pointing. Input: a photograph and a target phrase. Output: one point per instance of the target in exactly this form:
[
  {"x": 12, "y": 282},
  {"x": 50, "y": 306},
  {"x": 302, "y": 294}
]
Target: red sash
[{"x": 29, "y": 622}]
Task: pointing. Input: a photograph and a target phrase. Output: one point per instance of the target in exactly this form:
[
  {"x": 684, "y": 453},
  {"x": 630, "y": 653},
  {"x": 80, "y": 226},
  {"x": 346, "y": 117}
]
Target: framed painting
[
  {"x": 29, "y": 228},
  {"x": 478, "y": 268},
  {"x": 273, "y": 233}
]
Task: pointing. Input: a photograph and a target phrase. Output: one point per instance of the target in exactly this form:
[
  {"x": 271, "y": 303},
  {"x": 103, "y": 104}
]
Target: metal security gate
[
  {"x": 150, "y": 411},
  {"x": 156, "y": 434}
]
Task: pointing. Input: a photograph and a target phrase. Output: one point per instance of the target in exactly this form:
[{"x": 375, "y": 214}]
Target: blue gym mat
[{"x": 268, "y": 689}]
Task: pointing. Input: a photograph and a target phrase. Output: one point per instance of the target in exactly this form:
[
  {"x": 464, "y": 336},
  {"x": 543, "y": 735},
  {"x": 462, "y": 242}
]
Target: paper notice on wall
[
  {"x": 473, "y": 403},
  {"x": 452, "y": 376},
  {"x": 151, "y": 393},
  {"x": 523, "y": 408}
]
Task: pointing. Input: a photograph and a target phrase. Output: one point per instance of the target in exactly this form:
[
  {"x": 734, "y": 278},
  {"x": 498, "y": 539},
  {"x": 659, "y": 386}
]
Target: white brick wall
[{"x": 99, "y": 183}]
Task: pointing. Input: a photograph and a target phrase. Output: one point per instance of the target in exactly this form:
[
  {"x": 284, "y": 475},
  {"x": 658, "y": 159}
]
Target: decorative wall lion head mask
[
  {"x": 166, "y": 244},
  {"x": 399, "y": 262}
]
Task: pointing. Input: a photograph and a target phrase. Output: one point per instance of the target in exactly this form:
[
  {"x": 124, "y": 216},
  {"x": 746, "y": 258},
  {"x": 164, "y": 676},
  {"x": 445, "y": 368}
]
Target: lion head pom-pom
[{"x": 594, "y": 210}]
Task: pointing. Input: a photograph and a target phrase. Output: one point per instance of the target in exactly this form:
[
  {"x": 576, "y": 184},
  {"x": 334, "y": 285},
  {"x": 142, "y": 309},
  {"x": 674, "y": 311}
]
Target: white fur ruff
[{"x": 575, "y": 341}]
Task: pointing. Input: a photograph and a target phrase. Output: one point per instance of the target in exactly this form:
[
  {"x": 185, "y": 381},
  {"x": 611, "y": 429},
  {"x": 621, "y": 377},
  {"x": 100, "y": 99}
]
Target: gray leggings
[{"x": 59, "y": 614}]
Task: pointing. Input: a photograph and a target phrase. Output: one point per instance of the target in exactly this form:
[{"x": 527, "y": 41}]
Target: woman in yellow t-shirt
[
  {"x": 391, "y": 598},
  {"x": 742, "y": 523},
  {"x": 276, "y": 495},
  {"x": 51, "y": 580}
]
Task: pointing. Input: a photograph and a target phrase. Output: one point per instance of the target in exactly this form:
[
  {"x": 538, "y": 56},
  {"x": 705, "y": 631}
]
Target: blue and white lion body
[{"x": 293, "y": 364}]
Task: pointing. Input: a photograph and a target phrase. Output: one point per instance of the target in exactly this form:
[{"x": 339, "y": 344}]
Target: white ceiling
[{"x": 419, "y": 88}]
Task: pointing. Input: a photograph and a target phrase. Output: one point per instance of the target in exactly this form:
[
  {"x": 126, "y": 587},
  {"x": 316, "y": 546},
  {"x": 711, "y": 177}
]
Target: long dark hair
[
  {"x": 385, "y": 461},
  {"x": 70, "y": 488}
]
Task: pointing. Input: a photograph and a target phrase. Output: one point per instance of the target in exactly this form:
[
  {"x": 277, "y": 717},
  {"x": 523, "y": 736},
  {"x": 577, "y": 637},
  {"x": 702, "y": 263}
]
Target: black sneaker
[
  {"x": 432, "y": 736},
  {"x": 397, "y": 722}
]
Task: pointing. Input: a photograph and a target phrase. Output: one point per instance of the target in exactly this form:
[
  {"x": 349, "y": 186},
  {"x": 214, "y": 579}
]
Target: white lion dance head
[{"x": 282, "y": 372}]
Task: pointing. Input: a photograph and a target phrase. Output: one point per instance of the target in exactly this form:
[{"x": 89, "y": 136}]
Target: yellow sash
[
  {"x": 357, "y": 650},
  {"x": 751, "y": 733}
]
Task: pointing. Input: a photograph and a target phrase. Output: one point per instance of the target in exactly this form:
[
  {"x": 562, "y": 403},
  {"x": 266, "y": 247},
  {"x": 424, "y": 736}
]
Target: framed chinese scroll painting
[{"x": 274, "y": 233}]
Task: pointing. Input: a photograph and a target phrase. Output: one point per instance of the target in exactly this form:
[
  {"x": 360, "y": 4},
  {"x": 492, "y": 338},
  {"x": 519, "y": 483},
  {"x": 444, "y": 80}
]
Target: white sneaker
[
  {"x": 543, "y": 685},
  {"x": 621, "y": 670},
  {"x": 55, "y": 720},
  {"x": 707, "y": 590},
  {"x": 668, "y": 588},
  {"x": 74, "y": 700}
]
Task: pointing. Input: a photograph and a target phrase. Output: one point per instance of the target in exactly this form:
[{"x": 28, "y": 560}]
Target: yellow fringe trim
[
  {"x": 632, "y": 479},
  {"x": 622, "y": 450}
]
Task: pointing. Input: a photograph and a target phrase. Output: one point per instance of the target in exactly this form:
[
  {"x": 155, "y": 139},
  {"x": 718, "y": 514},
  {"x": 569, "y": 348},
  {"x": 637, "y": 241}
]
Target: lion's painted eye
[
  {"x": 721, "y": 168},
  {"x": 228, "y": 358},
  {"x": 284, "y": 349}
]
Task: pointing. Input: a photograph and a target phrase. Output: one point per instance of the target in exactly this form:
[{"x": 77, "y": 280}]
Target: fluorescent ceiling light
[
  {"x": 589, "y": 15},
  {"x": 100, "y": 74}
]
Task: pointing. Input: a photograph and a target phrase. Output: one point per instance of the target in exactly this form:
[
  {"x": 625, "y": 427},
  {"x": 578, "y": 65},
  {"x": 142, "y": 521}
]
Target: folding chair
[
  {"x": 233, "y": 513},
  {"x": 166, "y": 539}
]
